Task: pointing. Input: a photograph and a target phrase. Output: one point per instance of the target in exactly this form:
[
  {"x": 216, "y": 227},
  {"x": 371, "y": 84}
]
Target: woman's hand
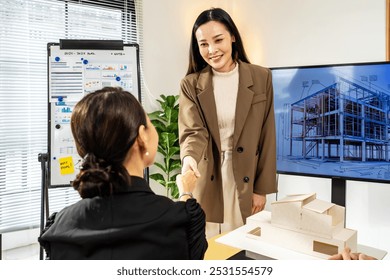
[
  {"x": 189, "y": 163},
  {"x": 346, "y": 254},
  {"x": 258, "y": 202},
  {"x": 186, "y": 184}
]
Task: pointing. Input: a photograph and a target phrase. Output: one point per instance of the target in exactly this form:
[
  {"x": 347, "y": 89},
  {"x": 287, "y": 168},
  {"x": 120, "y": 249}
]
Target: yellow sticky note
[{"x": 66, "y": 165}]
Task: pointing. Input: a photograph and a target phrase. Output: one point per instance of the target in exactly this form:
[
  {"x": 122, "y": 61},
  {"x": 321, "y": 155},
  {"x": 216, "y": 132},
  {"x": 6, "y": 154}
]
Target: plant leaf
[
  {"x": 173, "y": 151},
  {"x": 162, "y": 151},
  {"x": 159, "y": 178},
  {"x": 170, "y": 101},
  {"x": 160, "y": 126},
  {"x": 173, "y": 188},
  {"x": 174, "y": 166},
  {"x": 155, "y": 114},
  {"x": 162, "y": 167},
  {"x": 173, "y": 128},
  {"x": 174, "y": 191}
]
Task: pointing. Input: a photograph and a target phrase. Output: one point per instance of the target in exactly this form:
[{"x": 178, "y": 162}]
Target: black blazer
[{"x": 132, "y": 224}]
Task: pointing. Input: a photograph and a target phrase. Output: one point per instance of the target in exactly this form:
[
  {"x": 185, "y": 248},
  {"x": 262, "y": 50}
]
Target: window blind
[{"x": 26, "y": 26}]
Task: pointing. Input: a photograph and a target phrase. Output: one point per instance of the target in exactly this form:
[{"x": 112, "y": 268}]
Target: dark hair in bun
[{"x": 105, "y": 126}]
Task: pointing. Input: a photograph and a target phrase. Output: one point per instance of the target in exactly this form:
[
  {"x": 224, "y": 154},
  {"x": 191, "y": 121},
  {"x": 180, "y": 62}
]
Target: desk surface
[{"x": 219, "y": 251}]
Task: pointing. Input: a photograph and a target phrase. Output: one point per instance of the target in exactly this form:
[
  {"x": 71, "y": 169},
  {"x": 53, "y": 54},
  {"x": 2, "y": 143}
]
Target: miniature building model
[{"x": 305, "y": 224}]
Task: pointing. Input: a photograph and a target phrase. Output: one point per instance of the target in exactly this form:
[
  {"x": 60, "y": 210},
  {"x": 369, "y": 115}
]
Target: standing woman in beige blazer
[{"x": 226, "y": 124}]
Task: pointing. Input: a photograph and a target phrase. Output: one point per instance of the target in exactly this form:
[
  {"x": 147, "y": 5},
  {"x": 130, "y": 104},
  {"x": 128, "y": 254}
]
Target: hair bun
[{"x": 93, "y": 182}]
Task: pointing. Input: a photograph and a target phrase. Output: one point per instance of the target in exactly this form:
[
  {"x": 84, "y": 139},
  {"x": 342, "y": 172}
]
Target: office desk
[{"x": 260, "y": 249}]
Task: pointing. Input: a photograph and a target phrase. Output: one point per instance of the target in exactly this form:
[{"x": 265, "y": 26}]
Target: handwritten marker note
[{"x": 66, "y": 165}]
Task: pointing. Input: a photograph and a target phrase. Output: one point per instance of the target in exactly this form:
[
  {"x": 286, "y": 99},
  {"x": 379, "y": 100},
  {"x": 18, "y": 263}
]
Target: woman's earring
[{"x": 147, "y": 154}]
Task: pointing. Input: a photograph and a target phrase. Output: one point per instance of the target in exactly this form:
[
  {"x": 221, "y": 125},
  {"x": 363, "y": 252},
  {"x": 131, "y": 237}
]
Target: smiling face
[{"x": 215, "y": 45}]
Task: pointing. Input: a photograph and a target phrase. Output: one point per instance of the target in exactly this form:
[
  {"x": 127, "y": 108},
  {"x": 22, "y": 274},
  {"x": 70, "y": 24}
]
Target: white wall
[
  {"x": 281, "y": 33},
  {"x": 305, "y": 32}
]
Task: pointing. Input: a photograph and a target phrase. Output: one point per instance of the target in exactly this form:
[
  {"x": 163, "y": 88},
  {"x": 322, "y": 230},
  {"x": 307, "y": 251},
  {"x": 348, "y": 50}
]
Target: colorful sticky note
[{"x": 66, "y": 165}]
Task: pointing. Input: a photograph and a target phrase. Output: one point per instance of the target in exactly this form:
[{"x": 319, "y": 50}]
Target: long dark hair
[
  {"x": 196, "y": 62},
  {"x": 105, "y": 126}
]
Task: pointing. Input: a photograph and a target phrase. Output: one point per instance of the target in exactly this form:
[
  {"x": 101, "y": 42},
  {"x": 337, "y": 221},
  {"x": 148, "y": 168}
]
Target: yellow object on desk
[{"x": 219, "y": 251}]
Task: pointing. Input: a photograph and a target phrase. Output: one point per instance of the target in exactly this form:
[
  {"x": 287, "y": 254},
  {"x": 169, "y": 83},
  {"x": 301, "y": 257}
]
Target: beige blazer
[{"x": 254, "y": 151}]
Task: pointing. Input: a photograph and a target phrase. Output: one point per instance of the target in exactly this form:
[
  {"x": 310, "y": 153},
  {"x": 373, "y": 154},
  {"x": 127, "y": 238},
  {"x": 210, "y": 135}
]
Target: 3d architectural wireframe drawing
[
  {"x": 304, "y": 224},
  {"x": 343, "y": 121}
]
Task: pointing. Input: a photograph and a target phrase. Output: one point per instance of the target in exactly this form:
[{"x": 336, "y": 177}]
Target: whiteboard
[{"x": 76, "y": 68}]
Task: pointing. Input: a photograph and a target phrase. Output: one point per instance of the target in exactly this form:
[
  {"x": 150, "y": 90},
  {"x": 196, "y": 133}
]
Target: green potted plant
[{"x": 166, "y": 122}]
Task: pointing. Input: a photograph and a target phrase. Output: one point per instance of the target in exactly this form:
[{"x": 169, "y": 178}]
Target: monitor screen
[{"x": 334, "y": 120}]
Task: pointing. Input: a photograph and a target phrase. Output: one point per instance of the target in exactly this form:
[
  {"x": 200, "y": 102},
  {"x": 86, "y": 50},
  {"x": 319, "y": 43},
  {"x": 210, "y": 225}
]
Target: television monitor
[{"x": 333, "y": 120}]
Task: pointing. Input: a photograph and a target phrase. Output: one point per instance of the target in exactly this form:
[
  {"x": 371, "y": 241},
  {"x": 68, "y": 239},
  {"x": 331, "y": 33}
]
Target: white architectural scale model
[{"x": 305, "y": 224}]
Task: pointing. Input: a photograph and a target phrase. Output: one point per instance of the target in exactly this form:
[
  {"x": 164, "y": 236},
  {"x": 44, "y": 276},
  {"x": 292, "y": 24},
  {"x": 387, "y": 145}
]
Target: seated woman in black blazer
[{"x": 119, "y": 216}]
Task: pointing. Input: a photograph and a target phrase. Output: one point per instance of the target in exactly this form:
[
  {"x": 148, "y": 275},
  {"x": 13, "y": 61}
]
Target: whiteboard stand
[{"x": 43, "y": 159}]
